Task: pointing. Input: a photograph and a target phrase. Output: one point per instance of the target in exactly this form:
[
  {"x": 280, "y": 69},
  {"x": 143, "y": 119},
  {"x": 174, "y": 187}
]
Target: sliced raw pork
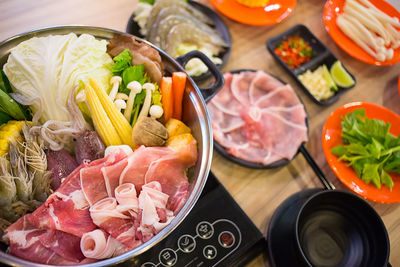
[
  {"x": 43, "y": 246},
  {"x": 257, "y": 118}
]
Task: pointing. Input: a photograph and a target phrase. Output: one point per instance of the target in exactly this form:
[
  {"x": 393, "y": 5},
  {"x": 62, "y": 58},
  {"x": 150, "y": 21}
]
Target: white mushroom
[
  {"x": 135, "y": 88},
  {"x": 115, "y": 81},
  {"x": 156, "y": 111},
  {"x": 120, "y": 104},
  {"x": 122, "y": 96},
  {"x": 147, "y": 101}
]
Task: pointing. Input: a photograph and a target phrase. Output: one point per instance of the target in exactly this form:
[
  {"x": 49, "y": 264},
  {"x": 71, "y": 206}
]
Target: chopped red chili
[{"x": 294, "y": 51}]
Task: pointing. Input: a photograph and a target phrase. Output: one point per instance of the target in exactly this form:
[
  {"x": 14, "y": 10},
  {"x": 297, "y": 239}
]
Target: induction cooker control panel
[{"x": 207, "y": 244}]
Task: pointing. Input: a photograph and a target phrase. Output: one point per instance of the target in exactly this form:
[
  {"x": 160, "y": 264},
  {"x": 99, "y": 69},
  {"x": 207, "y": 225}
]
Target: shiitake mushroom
[{"x": 149, "y": 132}]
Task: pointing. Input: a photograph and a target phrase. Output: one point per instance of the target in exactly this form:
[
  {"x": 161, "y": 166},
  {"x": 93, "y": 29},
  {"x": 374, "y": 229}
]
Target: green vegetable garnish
[
  {"x": 122, "y": 61},
  {"x": 123, "y": 67},
  {"x": 369, "y": 148},
  {"x": 9, "y": 106}
]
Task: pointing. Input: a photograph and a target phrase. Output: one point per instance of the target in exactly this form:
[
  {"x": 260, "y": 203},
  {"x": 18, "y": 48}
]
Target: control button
[
  {"x": 186, "y": 243},
  {"x": 148, "y": 264},
  {"x": 226, "y": 239},
  {"x": 167, "y": 257},
  {"x": 205, "y": 230},
  {"x": 210, "y": 252}
]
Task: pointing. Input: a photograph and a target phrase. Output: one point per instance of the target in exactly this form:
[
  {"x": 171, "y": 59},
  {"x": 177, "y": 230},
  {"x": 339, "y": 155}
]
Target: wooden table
[{"x": 259, "y": 192}]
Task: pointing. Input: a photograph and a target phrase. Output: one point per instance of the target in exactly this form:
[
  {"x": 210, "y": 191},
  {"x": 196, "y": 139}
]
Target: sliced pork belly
[
  {"x": 128, "y": 203},
  {"x": 108, "y": 218},
  {"x": 257, "y": 118},
  {"x": 100, "y": 245}
]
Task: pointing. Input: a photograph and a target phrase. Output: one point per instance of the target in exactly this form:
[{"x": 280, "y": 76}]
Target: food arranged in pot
[
  {"x": 257, "y": 118},
  {"x": 102, "y": 166},
  {"x": 178, "y": 28}
]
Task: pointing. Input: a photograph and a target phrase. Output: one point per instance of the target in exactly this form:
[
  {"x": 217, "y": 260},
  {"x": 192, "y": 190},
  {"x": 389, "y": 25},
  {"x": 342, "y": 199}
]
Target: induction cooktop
[{"x": 216, "y": 232}]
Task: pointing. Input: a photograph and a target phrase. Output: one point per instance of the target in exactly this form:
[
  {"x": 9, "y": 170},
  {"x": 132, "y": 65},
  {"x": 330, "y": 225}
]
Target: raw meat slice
[
  {"x": 107, "y": 217},
  {"x": 100, "y": 245},
  {"x": 127, "y": 199},
  {"x": 240, "y": 86},
  {"x": 66, "y": 209},
  {"x": 138, "y": 164},
  {"x": 64, "y": 244},
  {"x": 29, "y": 243},
  {"x": 112, "y": 174},
  {"x": 266, "y": 123},
  {"x": 164, "y": 165},
  {"x": 94, "y": 184},
  {"x": 262, "y": 84}
]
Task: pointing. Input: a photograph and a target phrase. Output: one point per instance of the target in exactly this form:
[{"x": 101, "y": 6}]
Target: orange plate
[
  {"x": 335, "y": 7},
  {"x": 331, "y": 137},
  {"x": 274, "y": 12}
]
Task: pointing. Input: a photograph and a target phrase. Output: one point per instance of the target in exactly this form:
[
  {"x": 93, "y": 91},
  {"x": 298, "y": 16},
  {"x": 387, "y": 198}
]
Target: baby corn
[
  {"x": 101, "y": 122},
  {"x": 121, "y": 125}
]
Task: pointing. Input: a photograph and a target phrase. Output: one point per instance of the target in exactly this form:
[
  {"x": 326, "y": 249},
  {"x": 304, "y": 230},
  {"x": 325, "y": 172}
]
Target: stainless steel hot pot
[{"x": 195, "y": 115}]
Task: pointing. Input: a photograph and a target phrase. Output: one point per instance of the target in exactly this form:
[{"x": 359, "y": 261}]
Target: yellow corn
[
  {"x": 9, "y": 132},
  {"x": 117, "y": 119},
  {"x": 101, "y": 122}
]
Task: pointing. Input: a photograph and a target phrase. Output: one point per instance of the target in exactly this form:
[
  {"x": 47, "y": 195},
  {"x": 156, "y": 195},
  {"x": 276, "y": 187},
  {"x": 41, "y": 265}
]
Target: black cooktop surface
[{"x": 215, "y": 233}]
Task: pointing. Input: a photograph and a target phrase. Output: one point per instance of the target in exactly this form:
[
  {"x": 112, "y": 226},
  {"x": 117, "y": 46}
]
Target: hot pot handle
[{"x": 209, "y": 92}]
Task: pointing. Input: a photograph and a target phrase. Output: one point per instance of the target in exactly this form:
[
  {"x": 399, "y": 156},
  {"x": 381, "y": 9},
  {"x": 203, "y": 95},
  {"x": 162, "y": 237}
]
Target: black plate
[
  {"x": 220, "y": 27},
  {"x": 281, "y": 251},
  {"x": 221, "y": 149},
  {"x": 324, "y": 56}
]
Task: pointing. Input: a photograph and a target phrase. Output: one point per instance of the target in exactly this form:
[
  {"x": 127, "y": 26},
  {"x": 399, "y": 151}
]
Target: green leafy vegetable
[
  {"x": 4, "y": 83},
  {"x": 44, "y": 70},
  {"x": 122, "y": 61},
  {"x": 4, "y": 117},
  {"x": 9, "y": 108},
  {"x": 134, "y": 73},
  {"x": 369, "y": 148},
  {"x": 123, "y": 67}
]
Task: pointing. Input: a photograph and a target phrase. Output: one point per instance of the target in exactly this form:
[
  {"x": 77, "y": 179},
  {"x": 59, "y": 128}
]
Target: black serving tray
[
  {"x": 219, "y": 26},
  {"x": 324, "y": 56},
  {"x": 255, "y": 165}
]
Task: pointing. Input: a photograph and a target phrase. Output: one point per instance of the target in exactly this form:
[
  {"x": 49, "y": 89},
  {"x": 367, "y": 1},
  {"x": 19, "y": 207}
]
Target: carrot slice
[
  {"x": 178, "y": 87},
  {"x": 167, "y": 97}
]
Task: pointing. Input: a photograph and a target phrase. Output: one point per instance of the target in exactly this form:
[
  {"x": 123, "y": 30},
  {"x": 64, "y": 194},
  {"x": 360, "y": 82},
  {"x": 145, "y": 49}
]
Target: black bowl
[{"x": 318, "y": 227}]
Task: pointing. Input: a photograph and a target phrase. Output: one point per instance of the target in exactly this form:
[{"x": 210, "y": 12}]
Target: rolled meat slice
[
  {"x": 127, "y": 199},
  {"x": 99, "y": 245},
  {"x": 152, "y": 202},
  {"x": 108, "y": 218},
  {"x": 105, "y": 209},
  {"x": 154, "y": 191}
]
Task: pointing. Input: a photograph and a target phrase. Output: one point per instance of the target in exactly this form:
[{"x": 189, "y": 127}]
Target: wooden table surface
[{"x": 258, "y": 192}]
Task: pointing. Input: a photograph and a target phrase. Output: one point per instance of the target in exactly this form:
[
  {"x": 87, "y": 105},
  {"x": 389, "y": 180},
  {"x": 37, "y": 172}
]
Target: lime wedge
[
  {"x": 327, "y": 76},
  {"x": 340, "y": 75}
]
